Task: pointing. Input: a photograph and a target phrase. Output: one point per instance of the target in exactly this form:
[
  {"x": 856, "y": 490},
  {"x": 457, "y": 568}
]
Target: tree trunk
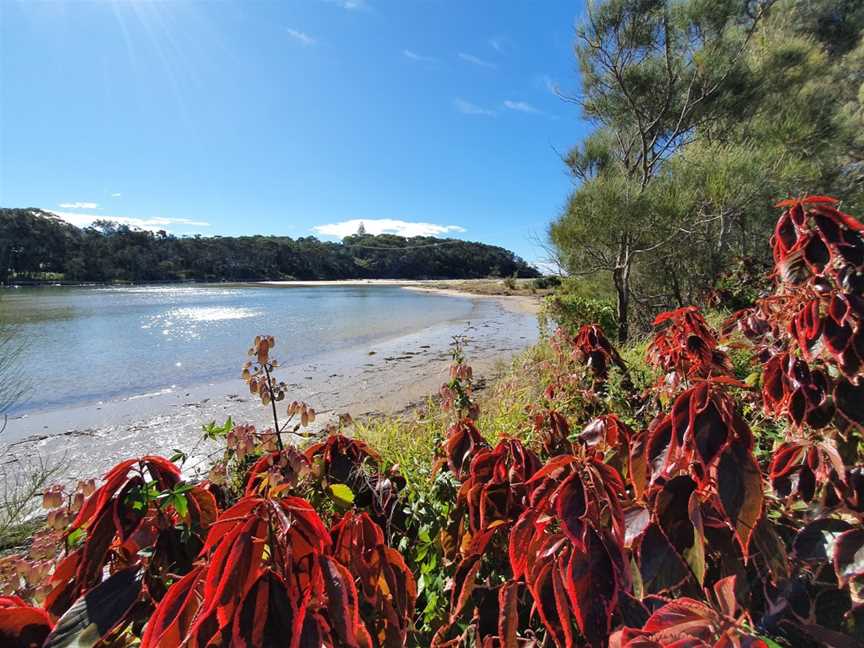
[
  {"x": 621, "y": 278},
  {"x": 676, "y": 287}
]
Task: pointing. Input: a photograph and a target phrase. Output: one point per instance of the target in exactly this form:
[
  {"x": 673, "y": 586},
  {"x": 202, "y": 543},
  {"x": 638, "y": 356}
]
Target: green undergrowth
[{"x": 412, "y": 441}]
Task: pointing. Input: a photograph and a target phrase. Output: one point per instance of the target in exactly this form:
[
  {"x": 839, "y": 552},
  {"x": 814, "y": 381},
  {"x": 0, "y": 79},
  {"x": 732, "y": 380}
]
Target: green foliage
[
  {"x": 572, "y": 311},
  {"x": 707, "y": 114},
  {"x": 34, "y": 242},
  {"x": 546, "y": 282},
  {"x": 213, "y": 430}
]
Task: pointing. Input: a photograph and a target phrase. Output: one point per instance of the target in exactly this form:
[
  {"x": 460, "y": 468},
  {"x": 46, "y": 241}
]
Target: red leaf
[
  {"x": 173, "y": 617},
  {"x": 683, "y": 617},
  {"x": 464, "y": 581},
  {"x": 659, "y": 564},
  {"x": 559, "y": 591},
  {"x": 22, "y": 626},
  {"x": 592, "y": 588},
  {"x": 341, "y": 600},
  {"x": 543, "y": 590},
  {"x": 235, "y": 566},
  {"x": 508, "y": 616},
  {"x": 739, "y": 486},
  {"x": 571, "y": 507},
  {"x": 724, "y": 590},
  {"x": 521, "y": 536}
]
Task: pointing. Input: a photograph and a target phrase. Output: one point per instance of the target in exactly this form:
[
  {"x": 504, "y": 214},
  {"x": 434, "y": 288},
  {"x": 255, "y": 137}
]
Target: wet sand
[{"x": 386, "y": 377}]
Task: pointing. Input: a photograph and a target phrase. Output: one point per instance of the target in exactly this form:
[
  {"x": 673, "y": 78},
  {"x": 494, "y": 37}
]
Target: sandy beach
[{"x": 387, "y": 377}]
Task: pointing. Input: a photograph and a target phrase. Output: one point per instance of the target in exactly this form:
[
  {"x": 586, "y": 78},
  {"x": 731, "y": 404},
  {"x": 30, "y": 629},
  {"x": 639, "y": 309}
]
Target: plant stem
[{"x": 273, "y": 405}]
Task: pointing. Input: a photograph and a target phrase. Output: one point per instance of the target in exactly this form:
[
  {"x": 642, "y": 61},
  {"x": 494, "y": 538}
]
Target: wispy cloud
[
  {"x": 549, "y": 84},
  {"x": 116, "y": 195},
  {"x": 476, "y": 60},
  {"x": 385, "y": 226},
  {"x": 301, "y": 37},
  {"x": 468, "y": 108},
  {"x": 496, "y": 44},
  {"x": 522, "y": 106},
  {"x": 79, "y": 205},
  {"x": 350, "y": 5},
  {"x": 414, "y": 56},
  {"x": 153, "y": 224}
]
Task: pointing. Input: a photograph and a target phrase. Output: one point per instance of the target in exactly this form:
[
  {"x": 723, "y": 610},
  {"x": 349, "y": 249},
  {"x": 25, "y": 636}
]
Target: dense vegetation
[
  {"x": 706, "y": 114},
  {"x": 36, "y": 244},
  {"x": 699, "y": 488}
]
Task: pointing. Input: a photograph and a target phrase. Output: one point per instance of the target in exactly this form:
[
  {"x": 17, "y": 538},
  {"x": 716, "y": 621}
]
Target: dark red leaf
[
  {"x": 739, "y": 486},
  {"x": 508, "y": 616},
  {"x": 464, "y": 581},
  {"x": 659, "y": 564},
  {"x": 592, "y": 588},
  {"x": 850, "y": 401},
  {"x": 571, "y": 507}
]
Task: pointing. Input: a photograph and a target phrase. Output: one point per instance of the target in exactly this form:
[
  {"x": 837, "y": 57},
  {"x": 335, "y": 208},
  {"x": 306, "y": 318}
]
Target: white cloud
[
  {"x": 301, "y": 37},
  {"x": 476, "y": 61},
  {"x": 384, "y": 226},
  {"x": 116, "y": 195},
  {"x": 351, "y": 5},
  {"x": 468, "y": 108},
  {"x": 153, "y": 224},
  {"x": 79, "y": 205},
  {"x": 522, "y": 106},
  {"x": 495, "y": 44},
  {"x": 414, "y": 56}
]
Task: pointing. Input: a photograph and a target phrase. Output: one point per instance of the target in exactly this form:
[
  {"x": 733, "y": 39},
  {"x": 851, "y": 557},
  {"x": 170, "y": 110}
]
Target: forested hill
[{"x": 37, "y": 244}]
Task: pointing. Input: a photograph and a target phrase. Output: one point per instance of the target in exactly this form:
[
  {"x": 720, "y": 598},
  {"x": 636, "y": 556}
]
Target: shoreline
[
  {"x": 384, "y": 377},
  {"x": 470, "y": 288}
]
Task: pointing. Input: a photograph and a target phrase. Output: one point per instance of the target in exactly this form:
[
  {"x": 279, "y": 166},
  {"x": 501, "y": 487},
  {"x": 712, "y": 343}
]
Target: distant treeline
[{"x": 35, "y": 244}]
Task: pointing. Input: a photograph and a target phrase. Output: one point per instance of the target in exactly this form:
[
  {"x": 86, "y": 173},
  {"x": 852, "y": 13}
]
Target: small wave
[{"x": 161, "y": 392}]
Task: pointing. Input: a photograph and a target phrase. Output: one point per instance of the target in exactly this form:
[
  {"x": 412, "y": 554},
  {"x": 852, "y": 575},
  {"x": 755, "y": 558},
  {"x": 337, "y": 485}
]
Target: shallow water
[{"x": 93, "y": 344}]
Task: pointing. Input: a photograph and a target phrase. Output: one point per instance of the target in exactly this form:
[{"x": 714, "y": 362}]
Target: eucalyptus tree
[
  {"x": 656, "y": 75},
  {"x": 706, "y": 112}
]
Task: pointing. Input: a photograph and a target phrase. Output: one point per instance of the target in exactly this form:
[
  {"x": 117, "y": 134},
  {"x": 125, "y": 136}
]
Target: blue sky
[{"x": 293, "y": 117}]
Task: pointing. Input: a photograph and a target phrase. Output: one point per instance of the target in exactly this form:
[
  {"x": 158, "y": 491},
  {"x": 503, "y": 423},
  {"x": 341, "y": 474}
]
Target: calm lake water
[{"x": 96, "y": 344}]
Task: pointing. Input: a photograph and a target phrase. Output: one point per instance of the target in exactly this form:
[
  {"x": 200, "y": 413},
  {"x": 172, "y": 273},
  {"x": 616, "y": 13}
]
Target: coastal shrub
[
  {"x": 546, "y": 282},
  {"x": 570, "y": 311},
  {"x": 683, "y": 507}
]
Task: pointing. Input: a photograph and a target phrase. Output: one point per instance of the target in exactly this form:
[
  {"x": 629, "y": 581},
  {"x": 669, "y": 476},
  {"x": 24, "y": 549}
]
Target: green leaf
[
  {"x": 341, "y": 494},
  {"x": 770, "y": 642},
  {"x": 76, "y": 535},
  {"x": 181, "y": 505},
  {"x": 754, "y": 379}
]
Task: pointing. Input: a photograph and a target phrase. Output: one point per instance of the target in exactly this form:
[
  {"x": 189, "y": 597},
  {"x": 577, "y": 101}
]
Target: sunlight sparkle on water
[{"x": 184, "y": 322}]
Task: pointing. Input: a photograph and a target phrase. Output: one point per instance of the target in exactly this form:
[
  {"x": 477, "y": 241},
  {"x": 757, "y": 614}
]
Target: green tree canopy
[{"x": 706, "y": 112}]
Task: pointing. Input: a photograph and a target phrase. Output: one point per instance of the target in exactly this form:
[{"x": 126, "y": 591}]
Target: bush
[
  {"x": 570, "y": 311},
  {"x": 544, "y": 283}
]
